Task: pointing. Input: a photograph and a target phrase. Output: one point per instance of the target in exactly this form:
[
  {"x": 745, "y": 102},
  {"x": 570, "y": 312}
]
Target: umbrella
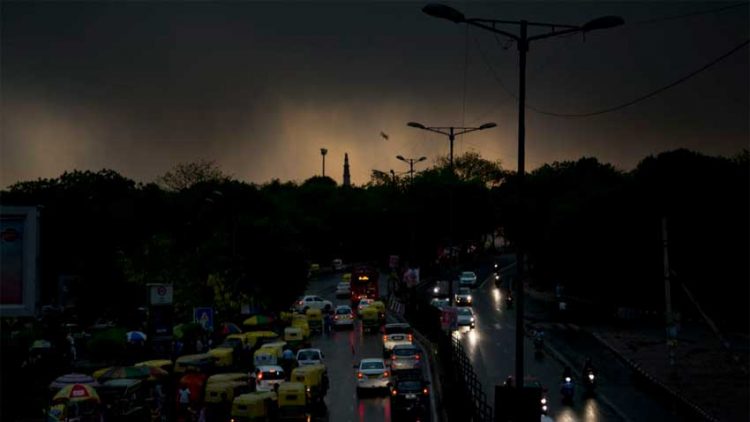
[
  {"x": 190, "y": 329},
  {"x": 41, "y": 344},
  {"x": 132, "y": 372},
  {"x": 135, "y": 336},
  {"x": 76, "y": 392},
  {"x": 70, "y": 379},
  {"x": 230, "y": 328},
  {"x": 258, "y": 320}
]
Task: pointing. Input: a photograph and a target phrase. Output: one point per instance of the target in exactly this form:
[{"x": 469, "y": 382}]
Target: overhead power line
[
  {"x": 687, "y": 15},
  {"x": 620, "y": 106}
]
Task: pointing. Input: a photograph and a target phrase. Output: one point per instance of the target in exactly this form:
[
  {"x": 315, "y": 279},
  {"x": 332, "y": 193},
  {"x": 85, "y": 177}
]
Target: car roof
[
  {"x": 308, "y": 350},
  {"x": 405, "y": 346},
  {"x": 370, "y": 360},
  {"x": 398, "y": 324},
  {"x": 268, "y": 368},
  {"x": 467, "y": 273}
]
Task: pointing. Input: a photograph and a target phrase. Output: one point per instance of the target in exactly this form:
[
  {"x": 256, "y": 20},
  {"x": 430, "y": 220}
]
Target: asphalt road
[
  {"x": 343, "y": 349},
  {"x": 491, "y": 348}
]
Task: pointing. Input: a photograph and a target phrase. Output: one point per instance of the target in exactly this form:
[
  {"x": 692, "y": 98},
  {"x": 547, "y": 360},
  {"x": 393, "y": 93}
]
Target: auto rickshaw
[
  {"x": 346, "y": 278},
  {"x": 257, "y": 406},
  {"x": 293, "y": 337},
  {"x": 258, "y": 338},
  {"x": 315, "y": 320},
  {"x": 380, "y": 306},
  {"x": 240, "y": 338},
  {"x": 227, "y": 377},
  {"x": 202, "y": 362},
  {"x": 219, "y": 397},
  {"x": 265, "y": 356},
  {"x": 315, "y": 380},
  {"x": 370, "y": 319},
  {"x": 292, "y": 402},
  {"x": 303, "y": 325},
  {"x": 223, "y": 357}
]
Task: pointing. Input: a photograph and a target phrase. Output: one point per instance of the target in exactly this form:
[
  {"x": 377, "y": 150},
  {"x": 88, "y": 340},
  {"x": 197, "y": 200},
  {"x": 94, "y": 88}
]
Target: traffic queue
[{"x": 265, "y": 370}]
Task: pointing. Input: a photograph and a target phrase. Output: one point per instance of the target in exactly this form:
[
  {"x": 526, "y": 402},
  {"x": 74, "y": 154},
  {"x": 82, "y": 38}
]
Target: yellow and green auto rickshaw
[
  {"x": 219, "y": 397},
  {"x": 370, "y": 319},
  {"x": 201, "y": 362},
  {"x": 292, "y": 399},
  {"x": 228, "y": 376},
  {"x": 314, "y": 378},
  {"x": 164, "y": 364},
  {"x": 294, "y": 337},
  {"x": 315, "y": 320},
  {"x": 380, "y": 306},
  {"x": 303, "y": 325},
  {"x": 286, "y": 317},
  {"x": 257, "y": 406},
  {"x": 258, "y": 338},
  {"x": 346, "y": 278},
  {"x": 223, "y": 357}
]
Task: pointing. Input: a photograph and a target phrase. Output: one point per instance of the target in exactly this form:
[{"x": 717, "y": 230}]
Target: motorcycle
[
  {"x": 589, "y": 381},
  {"x": 567, "y": 389}
]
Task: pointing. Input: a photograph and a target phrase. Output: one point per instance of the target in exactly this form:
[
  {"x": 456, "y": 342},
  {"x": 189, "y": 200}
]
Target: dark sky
[{"x": 261, "y": 87}]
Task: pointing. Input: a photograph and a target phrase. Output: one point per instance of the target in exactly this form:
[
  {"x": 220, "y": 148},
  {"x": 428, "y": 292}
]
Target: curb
[{"x": 637, "y": 368}]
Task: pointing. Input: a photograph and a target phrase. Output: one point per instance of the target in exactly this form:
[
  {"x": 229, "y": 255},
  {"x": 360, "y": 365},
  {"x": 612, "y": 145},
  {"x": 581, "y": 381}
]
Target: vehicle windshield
[
  {"x": 343, "y": 311},
  {"x": 308, "y": 355},
  {"x": 372, "y": 365},
  {"x": 365, "y": 302},
  {"x": 409, "y": 386},
  {"x": 464, "y": 311},
  {"x": 397, "y": 330},
  {"x": 464, "y": 291},
  {"x": 405, "y": 351},
  {"x": 467, "y": 274}
]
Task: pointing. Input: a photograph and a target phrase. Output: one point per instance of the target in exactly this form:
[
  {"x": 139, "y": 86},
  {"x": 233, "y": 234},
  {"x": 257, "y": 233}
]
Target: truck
[{"x": 364, "y": 283}]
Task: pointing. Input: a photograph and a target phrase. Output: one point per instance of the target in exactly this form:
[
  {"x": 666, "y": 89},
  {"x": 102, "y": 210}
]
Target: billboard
[{"x": 19, "y": 246}]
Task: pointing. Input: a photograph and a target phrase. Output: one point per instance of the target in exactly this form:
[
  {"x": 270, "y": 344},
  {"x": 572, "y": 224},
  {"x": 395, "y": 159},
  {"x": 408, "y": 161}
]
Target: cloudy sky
[{"x": 260, "y": 87}]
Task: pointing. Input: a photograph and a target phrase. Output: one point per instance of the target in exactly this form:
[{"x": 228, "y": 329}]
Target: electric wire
[{"x": 687, "y": 15}]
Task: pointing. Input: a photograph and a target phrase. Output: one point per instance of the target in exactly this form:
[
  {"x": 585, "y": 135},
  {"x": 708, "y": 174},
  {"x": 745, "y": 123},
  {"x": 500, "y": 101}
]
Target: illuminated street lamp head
[
  {"x": 416, "y": 125},
  {"x": 487, "y": 126},
  {"x": 603, "y": 23},
  {"x": 445, "y": 12}
]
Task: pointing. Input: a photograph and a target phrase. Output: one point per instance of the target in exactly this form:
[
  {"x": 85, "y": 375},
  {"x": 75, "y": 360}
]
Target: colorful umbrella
[
  {"x": 76, "y": 392},
  {"x": 71, "y": 379},
  {"x": 132, "y": 372},
  {"x": 258, "y": 320},
  {"x": 135, "y": 336},
  {"x": 230, "y": 328}
]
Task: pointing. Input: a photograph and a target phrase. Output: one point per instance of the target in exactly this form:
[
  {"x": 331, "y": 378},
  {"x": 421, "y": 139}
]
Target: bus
[{"x": 364, "y": 283}]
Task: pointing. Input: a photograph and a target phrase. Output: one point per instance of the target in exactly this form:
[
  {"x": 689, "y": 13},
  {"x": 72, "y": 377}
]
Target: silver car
[
  {"x": 394, "y": 334},
  {"x": 465, "y": 317},
  {"x": 343, "y": 317},
  {"x": 372, "y": 373},
  {"x": 405, "y": 357}
]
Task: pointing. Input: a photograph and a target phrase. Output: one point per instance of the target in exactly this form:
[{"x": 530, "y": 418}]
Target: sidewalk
[{"x": 704, "y": 377}]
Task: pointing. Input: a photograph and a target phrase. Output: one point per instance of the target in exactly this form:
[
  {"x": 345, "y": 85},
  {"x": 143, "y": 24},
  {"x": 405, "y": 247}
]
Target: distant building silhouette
[{"x": 347, "y": 177}]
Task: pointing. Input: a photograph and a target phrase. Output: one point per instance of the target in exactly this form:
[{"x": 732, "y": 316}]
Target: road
[
  {"x": 491, "y": 348},
  {"x": 342, "y": 350}
]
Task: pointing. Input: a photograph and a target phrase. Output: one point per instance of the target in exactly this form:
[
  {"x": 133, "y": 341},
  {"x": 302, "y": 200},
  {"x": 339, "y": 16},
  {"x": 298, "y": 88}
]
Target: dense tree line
[{"x": 223, "y": 241}]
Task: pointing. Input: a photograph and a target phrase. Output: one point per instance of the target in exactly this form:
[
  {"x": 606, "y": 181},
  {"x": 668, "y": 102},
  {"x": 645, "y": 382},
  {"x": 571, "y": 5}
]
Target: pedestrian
[
  {"x": 198, "y": 346},
  {"x": 184, "y": 401},
  {"x": 72, "y": 345}
]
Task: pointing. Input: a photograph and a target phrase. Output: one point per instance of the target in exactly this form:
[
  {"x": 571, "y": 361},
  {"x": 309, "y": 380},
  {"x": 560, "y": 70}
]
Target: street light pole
[
  {"x": 452, "y": 132},
  {"x": 411, "y": 162},
  {"x": 323, "y": 152},
  {"x": 522, "y": 40}
]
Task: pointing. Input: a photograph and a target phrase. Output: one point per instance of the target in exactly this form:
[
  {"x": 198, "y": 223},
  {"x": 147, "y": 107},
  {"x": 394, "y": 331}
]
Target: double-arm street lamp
[
  {"x": 451, "y": 133},
  {"x": 323, "y": 153},
  {"x": 411, "y": 162},
  {"x": 522, "y": 41}
]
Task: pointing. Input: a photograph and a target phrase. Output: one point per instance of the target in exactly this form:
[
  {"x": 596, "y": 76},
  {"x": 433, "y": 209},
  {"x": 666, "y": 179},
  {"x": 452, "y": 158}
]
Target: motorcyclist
[
  {"x": 588, "y": 367},
  {"x": 567, "y": 374}
]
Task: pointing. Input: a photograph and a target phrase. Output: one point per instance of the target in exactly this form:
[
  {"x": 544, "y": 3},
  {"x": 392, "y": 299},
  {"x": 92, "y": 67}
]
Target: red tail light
[
  {"x": 359, "y": 375},
  {"x": 394, "y": 392},
  {"x": 393, "y": 357},
  {"x": 416, "y": 357},
  {"x": 385, "y": 338},
  {"x": 336, "y": 317},
  {"x": 260, "y": 376},
  {"x": 385, "y": 374},
  {"x": 425, "y": 391},
  {"x": 411, "y": 337}
]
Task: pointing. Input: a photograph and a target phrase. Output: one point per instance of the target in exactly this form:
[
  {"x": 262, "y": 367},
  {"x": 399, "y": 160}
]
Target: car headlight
[
  {"x": 472, "y": 319},
  {"x": 468, "y": 298},
  {"x": 436, "y": 290},
  {"x": 591, "y": 377},
  {"x": 544, "y": 400},
  {"x": 567, "y": 379}
]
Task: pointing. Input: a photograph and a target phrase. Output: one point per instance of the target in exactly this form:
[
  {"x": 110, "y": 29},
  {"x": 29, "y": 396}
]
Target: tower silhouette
[{"x": 347, "y": 177}]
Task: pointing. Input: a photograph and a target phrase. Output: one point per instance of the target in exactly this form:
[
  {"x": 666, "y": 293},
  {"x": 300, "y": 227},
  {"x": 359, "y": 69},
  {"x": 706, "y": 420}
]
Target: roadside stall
[{"x": 75, "y": 402}]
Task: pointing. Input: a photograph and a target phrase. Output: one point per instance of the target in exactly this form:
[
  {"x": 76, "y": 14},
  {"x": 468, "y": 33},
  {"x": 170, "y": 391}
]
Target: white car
[
  {"x": 343, "y": 316},
  {"x": 468, "y": 278},
  {"x": 372, "y": 373},
  {"x": 394, "y": 334},
  {"x": 463, "y": 297},
  {"x": 313, "y": 302},
  {"x": 343, "y": 289},
  {"x": 309, "y": 357},
  {"x": 465, "y": 317},
  {"x": 267, "y": 376}
]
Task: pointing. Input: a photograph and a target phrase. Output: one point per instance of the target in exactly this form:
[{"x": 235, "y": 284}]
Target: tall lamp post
[
  {"x": 522, "y": 41},
  {"x": 323, "y": 152},
  {"x": 411, "y": 162},
  {"x": 451, "y": 132}
]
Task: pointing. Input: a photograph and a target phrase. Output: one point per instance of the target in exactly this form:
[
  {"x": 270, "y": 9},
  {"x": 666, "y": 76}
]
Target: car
[
  {"x": 312, "y": 302},
  {"x": 396, "y": 333},
  {"x": 363, "y": 303},
  {"x": 337, "y": 264},
  {"x": 343, "y": 289},
  {"x": 343, "y": 316},
  {"x": 440, "y": 303},
  {"x": 467, "y": 278},
  {"x": 463, "y": 297},
  {"x": 405, "y": 357},
  {"x": 465, "y": 317},
  {"x": 411, "y": 396},
  {"x": 372, "y": 373},
  {"x": 309, "y": 357},
  {"x": 268, "y": 376}
]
